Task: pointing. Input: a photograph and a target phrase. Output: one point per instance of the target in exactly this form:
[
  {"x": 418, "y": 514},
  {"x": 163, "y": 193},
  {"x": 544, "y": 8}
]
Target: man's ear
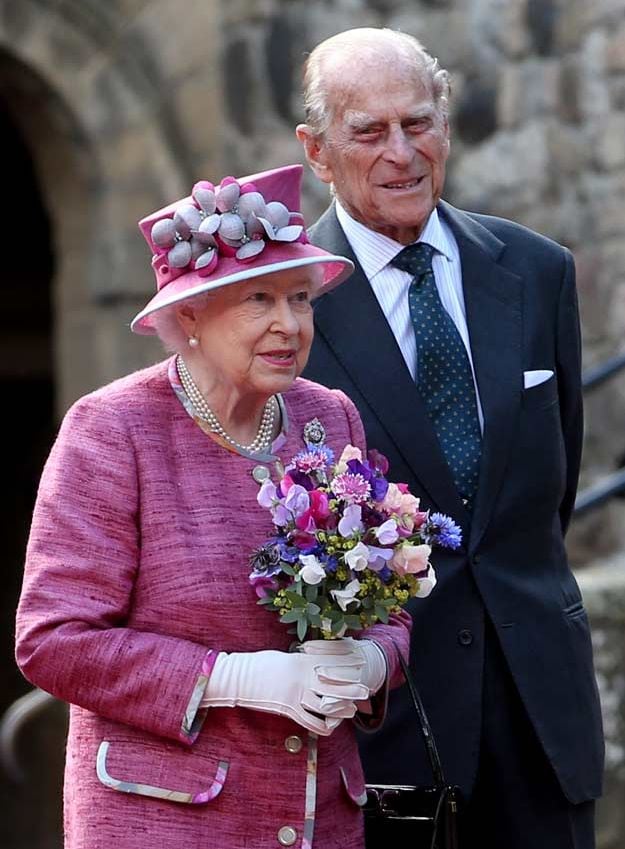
[{"x": 316, "y": 152}]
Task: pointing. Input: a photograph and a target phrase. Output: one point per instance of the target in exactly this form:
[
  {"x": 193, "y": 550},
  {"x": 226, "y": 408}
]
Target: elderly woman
[{"x": 192, "y": 724}]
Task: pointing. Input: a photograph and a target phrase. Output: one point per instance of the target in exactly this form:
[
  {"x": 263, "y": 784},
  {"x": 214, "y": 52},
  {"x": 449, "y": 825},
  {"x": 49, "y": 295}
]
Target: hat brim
[{"x": 336, "y": 270}]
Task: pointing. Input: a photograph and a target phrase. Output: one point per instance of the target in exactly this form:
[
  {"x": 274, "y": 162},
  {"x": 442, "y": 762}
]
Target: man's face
[{"x": 385, "y": 150}]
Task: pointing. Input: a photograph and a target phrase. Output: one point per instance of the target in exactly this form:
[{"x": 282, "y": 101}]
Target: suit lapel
[
  {"x": 493, "y": 305},
  {"x": 353, "y": 324}
]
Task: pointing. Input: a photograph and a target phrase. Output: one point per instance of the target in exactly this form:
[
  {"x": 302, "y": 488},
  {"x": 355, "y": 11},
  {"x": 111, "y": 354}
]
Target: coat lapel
[
  {"x": 353, "y": 324},
  {"x": 493, "y": 301}
]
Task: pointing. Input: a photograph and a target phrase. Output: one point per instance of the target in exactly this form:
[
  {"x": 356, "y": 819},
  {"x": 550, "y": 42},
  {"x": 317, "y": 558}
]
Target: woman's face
[{"x": 255, "y": 336}]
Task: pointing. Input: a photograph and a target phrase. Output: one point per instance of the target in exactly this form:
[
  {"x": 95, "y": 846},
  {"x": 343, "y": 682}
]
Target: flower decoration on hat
[{"x": 232, "y": 220}]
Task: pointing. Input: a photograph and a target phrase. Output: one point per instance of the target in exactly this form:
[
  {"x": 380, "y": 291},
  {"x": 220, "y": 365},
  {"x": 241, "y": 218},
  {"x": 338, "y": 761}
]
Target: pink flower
[
  {"x": 411, "y": 559},
  {"x": 263, "y": 583},
  {"x": 317, "y": 513},
  {"x": 392, "y": 499},
  {"x": 353, "y": 489}
]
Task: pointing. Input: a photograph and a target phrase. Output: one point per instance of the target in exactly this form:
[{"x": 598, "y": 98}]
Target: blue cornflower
[
  {"x": 442, "y": 530},
  {"x": 385, "y": 574},
  {"x": 330, "y": 562}
]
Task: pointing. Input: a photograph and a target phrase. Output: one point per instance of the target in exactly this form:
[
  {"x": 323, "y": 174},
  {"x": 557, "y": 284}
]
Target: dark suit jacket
[{"x": 521, "y": 306}]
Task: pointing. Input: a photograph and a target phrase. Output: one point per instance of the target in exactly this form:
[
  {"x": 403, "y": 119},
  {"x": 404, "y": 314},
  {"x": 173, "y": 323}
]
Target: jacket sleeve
[
  {"x": 568, "y": 364},
  {"x": 82, "y": 558},
  {"x": 391, "y": 638}
]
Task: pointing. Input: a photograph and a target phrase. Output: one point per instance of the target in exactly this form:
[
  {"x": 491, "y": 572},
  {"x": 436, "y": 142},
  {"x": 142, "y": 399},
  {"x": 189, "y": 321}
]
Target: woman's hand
[
  {"x": 316, "y": 689},
  {"x": 366, "y": 651}
]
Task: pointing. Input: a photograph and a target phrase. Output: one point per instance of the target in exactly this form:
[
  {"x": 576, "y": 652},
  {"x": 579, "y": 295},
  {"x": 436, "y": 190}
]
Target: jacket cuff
[{"x": 194, "y": 717}]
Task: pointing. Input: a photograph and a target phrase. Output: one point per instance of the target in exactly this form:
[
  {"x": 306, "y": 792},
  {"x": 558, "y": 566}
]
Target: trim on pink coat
[
  {"x": 159, "y": 792},
  {"x": 193, "y": 719}
]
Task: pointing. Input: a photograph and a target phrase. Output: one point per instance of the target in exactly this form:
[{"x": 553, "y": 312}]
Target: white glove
[
  {"x": 318, "y": 690},
  {"x": 374, "y": 673}
]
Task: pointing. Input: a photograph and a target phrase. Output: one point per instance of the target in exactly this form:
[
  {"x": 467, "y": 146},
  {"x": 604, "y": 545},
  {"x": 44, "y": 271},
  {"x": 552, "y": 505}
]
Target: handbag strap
[{"x": 426, "y": 731}]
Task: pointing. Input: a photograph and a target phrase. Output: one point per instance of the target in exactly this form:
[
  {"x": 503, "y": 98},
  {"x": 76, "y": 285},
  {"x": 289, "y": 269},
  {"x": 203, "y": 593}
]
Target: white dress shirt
[{"x": 390, "y": 285}]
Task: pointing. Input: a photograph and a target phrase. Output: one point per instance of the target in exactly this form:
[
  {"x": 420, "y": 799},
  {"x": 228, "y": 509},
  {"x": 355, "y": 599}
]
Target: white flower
[
  {"x": 387, "y": 532},
  {"x": 344, "y": 597},
  {"x": 357, "y": 558},
  {"x": 378, "y": 557},
  {"x": 267, "y": 495},
  {"x": 427, "y": 584},
  {"x": 351, "y": 522},
  {"x": 350, "y": 452},
  {"x": 312, "y": 571}
]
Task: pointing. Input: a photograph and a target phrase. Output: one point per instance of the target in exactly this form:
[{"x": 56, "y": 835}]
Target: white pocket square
[{"x": 533, "y": 378}]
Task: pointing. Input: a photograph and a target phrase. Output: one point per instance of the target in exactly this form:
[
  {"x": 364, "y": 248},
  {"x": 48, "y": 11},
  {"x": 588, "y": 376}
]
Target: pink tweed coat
[{"x": 136, "y": 577}]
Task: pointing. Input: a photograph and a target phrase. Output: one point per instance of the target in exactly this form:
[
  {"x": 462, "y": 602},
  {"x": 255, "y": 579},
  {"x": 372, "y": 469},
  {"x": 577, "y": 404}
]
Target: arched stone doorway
[
  {"x": 28, "y": 386},
  {"x": 110, "y": 120}
]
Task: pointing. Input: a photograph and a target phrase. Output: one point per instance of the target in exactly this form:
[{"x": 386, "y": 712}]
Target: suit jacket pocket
[
  {"x": 574, "y": 610},
  {"x": 543, "y": 395},
  {"x": 164, "y": 771}
]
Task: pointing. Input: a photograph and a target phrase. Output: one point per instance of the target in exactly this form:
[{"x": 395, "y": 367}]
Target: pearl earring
[{"x": 193, "y": 341}]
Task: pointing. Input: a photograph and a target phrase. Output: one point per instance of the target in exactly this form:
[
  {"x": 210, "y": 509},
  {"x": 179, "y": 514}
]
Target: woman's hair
[
  {"x": 360, "y": 44},
  {"x": 168, "y": 328}
]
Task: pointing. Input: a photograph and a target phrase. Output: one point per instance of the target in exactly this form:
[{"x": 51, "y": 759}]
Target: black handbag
[{"x": 405, "y": 817}]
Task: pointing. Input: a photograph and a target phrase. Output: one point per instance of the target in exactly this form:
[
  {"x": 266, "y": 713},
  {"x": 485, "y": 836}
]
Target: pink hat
[{"x": 241, "y": 229}]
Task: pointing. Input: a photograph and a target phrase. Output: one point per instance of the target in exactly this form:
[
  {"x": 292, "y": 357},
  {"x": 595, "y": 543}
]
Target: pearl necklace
[{"x": 262, "y": 440}]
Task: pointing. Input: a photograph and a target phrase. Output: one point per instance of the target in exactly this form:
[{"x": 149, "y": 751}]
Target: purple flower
[
  {"x": 351, "y": 523},
  {"x": 301, "y": 478},
  {"x": 442, "y": 530},
  {"x": 378, "y": 484},
  {"x": 377, "y": 461},
  {"x": 297, "y": 500},
  {"x": 313, "y": 458},
  {"x": 263, "y": 584}
]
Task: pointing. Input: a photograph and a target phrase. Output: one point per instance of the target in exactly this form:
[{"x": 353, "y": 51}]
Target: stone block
[
  {"x": 180, "y": 41},
  {"x": 610, "y": 142},
  {"x": 498, "y": 27},
  {"x": 541, "y": 19},
  {"x": 615, "y": 51},
  {"x": 505, "y": 174},
  {"x": 444, "y": 35},
  {"x": 526, "y": 90},
  {"x": 594, "y": 99},
  {"x": 198, "y": 107},
  {"x": 569, "y": 107}
]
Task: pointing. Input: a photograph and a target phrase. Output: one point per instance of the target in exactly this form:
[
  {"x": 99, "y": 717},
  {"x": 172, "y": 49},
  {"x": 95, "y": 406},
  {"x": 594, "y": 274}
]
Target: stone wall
[{"x": 538, "y": 135}]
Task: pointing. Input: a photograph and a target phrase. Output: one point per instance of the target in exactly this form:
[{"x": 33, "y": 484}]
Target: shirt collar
[{"x": 374, "y": 251}]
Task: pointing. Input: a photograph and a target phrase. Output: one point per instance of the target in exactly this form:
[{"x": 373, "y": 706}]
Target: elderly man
[{"x": 458, "y": 339}]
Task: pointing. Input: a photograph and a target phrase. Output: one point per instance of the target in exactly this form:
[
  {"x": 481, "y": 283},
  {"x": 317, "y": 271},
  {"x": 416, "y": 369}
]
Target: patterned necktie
[{"x": 444, "y": 376}]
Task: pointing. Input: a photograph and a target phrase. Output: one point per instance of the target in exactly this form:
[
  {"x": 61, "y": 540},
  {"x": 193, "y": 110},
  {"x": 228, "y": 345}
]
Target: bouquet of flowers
[{"x": 349, "y": 548}]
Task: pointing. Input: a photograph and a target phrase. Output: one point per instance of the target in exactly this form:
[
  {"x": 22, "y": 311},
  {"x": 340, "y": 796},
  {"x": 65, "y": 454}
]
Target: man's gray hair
[{"x": 371, "y": 42}]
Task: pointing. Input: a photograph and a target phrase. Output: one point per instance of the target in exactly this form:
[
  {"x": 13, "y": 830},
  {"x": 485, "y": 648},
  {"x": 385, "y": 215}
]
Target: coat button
[
  {"x": 287, "y": 835},
  {"x": 465, "y": 637},
  {"x": 293, "y": 744},
  {"x": 475, "y": 559}
]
